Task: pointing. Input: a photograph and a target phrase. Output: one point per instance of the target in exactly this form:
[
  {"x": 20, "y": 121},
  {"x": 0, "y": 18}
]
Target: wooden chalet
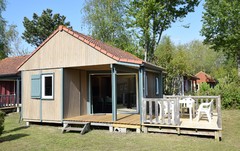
[
  {"x": 10, "y": 82},
  {"x": 71, "y": 74},
  {"x": 205, "y": 78},
  {"x": 74, "y": 79}
]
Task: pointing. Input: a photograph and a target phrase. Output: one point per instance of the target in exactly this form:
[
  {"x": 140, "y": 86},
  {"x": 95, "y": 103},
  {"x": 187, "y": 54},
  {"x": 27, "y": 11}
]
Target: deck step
[
  {"x": 73, "y": 129},
  {"x": 82, "y": 127}
]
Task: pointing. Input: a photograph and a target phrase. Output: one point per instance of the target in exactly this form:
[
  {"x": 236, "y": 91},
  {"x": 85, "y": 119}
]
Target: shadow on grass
[
  {"x": 12, "y": 137},
  {"x": 15, "y": 129}
]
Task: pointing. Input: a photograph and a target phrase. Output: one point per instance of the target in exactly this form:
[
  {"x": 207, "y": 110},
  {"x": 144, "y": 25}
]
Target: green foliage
[
  {"x": 150, "y": 18},
  {"x": 164, "y": 52},
  {"x": 175, "y": 60},
  {"x": 221, "y": 27},
  {"x": 202, "y": 57},
  {"x": 7, "y": 33},
  {"x": 106, "y": 22},
  {"x": 2, "y": 114},
  {"x": 227, "y": 87},
  {"x": 40, "y": 27},
  {"x": 205, "y": 89}
]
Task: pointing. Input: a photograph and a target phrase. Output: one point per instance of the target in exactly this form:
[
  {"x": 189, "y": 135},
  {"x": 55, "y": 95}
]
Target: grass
[{"x": 44, "y": 137}]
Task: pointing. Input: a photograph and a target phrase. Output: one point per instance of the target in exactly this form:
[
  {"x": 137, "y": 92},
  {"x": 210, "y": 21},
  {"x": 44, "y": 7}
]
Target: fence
[
  {"x": 166, "y": 110},
  {"x": 7, "y": 100},
  {"x": 161, "y": 111}
]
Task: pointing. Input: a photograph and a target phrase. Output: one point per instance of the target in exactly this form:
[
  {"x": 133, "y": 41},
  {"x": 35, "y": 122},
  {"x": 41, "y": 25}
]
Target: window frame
[
  {"x": 157, "y": 92},
  {"x": 43, "y": 95}
]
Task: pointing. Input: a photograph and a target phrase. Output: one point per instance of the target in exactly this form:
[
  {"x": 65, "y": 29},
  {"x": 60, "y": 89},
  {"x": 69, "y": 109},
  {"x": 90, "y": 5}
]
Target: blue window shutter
[{"x": 36, "y": 86}]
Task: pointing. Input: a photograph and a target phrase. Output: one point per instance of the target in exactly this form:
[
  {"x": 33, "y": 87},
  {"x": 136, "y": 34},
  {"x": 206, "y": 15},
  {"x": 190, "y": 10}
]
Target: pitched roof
[
  {"x": 9, "y": 66},
  {"x": 112, "y": 52},
  {"x": 207, "y": 76}
]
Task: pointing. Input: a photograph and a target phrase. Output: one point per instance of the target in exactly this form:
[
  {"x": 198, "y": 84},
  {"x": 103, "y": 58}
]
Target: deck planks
[
  {"x": 129, "y": 119},
  {"x": 134, "y": 119}
]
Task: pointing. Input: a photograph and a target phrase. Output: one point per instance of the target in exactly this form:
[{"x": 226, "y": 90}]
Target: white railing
[
  {"x": 161, "y": 111},
  {"x": 166, "y": 110},
  {"x": 7, "y": 100}
]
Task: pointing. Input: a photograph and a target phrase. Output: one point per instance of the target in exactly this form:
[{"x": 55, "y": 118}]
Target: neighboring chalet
[
  {"x": 10, "y": 81},
  {"x": 203, "y": 77},
  {"x": 183, "y": 85},
  {"x": 71, "y": 74}
]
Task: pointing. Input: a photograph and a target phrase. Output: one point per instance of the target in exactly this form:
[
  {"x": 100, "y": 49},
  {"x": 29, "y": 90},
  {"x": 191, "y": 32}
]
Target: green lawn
[{"x": 39, "y": 137}]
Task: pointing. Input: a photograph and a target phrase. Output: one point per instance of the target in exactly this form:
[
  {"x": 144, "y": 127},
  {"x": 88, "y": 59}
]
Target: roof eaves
[{"x": 153, "y": 66}]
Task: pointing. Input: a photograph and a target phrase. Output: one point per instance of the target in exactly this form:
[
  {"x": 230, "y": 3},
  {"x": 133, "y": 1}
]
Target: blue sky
[{"x": 18, "y": 9}]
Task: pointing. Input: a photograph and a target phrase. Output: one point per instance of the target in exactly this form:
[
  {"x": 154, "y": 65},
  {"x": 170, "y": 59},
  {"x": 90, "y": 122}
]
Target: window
[
  {"x": 47, "y": 86},
  {"x": 146, "y": 85},
  {"x": 157, "y": 85}
]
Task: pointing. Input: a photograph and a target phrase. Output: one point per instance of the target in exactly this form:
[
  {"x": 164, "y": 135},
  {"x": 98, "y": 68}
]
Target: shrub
[
  {"x": 2, "y": 114},
  {"x": 229, "y": 92}
]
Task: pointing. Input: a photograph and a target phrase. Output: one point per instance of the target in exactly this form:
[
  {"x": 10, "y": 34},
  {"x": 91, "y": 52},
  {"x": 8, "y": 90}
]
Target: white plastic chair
[{"x": 205, "y": 108}]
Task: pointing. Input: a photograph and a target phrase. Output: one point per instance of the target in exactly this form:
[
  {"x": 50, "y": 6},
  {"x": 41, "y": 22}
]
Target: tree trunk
[{"x": 238, "y": 63}]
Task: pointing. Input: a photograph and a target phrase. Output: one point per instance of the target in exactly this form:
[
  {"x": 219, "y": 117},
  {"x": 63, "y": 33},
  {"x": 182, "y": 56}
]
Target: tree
[
  {"x": 105, "y": 19},
  {"x": 221, "y": 27},
  {"x": 7, "y": 33},
  {"x": 17, "y": 48},
  {"x": 176, "y": 61},
  {"x": 202, "y": 57},
  {"x": 150, "y": 18},
  {"x": 164, "y": 52},
  {"x": 40, "y": 27}
]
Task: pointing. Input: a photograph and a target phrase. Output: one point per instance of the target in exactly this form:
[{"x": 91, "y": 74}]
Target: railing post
[
  {"x": 219, "y": 120},
  {"x": 162, "y": 112},
  {"x": 150, "y": 111},
  {"x": 168, "y": 109},
  {"x": 144, "y": 110},
  {"x": 156, "y": 111},
  {"x": 18, "y": 96}
]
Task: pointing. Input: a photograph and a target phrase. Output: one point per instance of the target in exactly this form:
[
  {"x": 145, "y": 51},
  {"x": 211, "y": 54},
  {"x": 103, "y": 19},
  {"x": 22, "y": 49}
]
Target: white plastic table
[{"x": 189, "y": 103}]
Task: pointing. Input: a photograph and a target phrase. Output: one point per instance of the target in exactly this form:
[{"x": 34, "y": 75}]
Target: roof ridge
[{"x": 99, "y": 48}]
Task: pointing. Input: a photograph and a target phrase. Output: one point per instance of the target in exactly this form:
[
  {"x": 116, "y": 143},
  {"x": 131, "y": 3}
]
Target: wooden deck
[
  {"x": 153, "y": 120},
  {"x": 126, "y": 119},
  {"x": 132, "y": 121}
]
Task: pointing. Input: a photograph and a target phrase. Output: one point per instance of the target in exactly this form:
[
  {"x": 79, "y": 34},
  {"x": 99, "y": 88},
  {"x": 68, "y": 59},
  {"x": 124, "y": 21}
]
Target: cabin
[
  {"x": 80, "y": 82},
  {"x": 10, "y": 82},
  {"x": 205, "y": 78},
  {"x": 183, "y": 85},
  {"x": 71, "y": 74}
]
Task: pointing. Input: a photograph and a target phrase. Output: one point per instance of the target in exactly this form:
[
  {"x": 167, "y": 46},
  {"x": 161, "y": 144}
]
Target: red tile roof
[
  {"x": 203, "y": 77},
  {"x": 9, "y": 66},
  {"x": 112, "y": 52}
]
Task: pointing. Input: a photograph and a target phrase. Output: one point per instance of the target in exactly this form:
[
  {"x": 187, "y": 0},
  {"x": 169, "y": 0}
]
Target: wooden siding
[
  {"x": 37, "y": 109},
  {"x": 151, "y": 81},
  {"x": 71, "y": 93},
  {"x": 84, "y": 88},
  {"x": 75, "y": 92},
  {"x": 63, "y": 50}
]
